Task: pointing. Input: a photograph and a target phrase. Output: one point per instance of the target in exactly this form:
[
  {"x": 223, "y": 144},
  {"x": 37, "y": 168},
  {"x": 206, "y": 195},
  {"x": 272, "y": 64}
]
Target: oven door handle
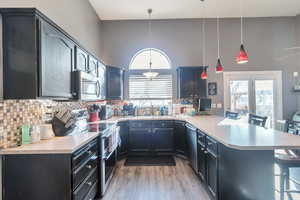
[
  {"x": 98, "y": 88},
  {"x": 108, "y": 156}
]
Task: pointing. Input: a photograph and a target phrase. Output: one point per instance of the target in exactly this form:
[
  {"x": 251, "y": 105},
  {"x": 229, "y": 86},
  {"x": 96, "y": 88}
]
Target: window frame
[{"x": 163, "y": 71}]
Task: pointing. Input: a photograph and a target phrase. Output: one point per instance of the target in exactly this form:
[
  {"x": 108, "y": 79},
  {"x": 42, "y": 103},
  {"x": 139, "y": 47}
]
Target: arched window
[
  {"x": 159, "y": 87},
  {"x": 141, "y": 60}
]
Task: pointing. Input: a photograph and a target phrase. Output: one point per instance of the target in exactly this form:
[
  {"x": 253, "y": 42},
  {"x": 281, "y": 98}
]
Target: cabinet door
[
  {"x": 192, "y": 146},
  {"x": 93, "y": 66},
  {"x": 124, "y": 131},
  {"x": 190, "y": 83},
  {"x": 139, "y": 139},
  {"x": 162, "y": 139},
  {"x": 57, "y": 63},
  {"x": 212, "y": 174},
  {"x": 202, "y": 162},
  {"x": 114, "y": 83},
  {"x": 102, "y": 79},
  {"x": 180, "y": 137},
  {"x": 81, "y": 60}
]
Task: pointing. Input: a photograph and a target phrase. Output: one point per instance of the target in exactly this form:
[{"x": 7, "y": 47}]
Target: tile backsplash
[{"x": 15, "y": 113}]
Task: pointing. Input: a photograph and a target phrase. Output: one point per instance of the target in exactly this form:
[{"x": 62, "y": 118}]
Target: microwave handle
[{"x": 98, "y": 88}]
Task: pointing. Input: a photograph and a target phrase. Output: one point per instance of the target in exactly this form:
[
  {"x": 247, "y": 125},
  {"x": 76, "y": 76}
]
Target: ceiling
[{"x": 178, "y": 9}]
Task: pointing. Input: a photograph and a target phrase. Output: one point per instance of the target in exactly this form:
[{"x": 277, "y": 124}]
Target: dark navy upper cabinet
[
  {"x": 81, "y": 60},
  {"x": 190, "y": 84},
  {"x": 57, "y": 53},
  {"x": 38, "y": 56},
  {"x": 115, "y": 83}
]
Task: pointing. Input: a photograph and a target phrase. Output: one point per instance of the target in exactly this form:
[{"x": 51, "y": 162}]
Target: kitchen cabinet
[
  {"x": 52, "y": 176},
  {"x": 180, "y": 139},
  {"x": 124, "y": 135},
  {"x": 93, "y": 66},
  {"x": 162, "y": 139},
  {"x": 57, "y": 53},
  {"x": 102, "y": 79},
  {"x": 115, "y": 83},
  {"x": 212, "y": 166},
  {"x": 139, "y": 139},
  {"x": 82, "y": 59},
  {"x": 191, "y": 132},
  {"x": 151, "y": 136},
  {"x": 39, "y": 57},
  {"x": 202, "y": 156},
  {"x": 190, "y": 84}
]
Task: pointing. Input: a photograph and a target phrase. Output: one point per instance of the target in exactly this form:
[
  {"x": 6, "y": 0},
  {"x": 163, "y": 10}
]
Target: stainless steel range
[{"x": 109, "y": 139}]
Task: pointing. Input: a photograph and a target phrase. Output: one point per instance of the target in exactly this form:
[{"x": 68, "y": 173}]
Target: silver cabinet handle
[
  {"x": 89, "y": 183},
  {"x": 205, "y": 152},
  {"x": 89, "y": 166},
  {"x": 202, "y": 149}
]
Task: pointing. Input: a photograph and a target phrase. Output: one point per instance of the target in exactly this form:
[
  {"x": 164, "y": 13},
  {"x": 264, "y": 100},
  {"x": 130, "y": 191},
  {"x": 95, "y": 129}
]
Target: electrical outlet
[
  {"x": 219, "y": 105},
  {"x": 213, "y": 105}
]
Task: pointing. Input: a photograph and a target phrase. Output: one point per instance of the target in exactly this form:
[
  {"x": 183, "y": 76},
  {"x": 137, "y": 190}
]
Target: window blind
[{"x": 142, "y": 88}]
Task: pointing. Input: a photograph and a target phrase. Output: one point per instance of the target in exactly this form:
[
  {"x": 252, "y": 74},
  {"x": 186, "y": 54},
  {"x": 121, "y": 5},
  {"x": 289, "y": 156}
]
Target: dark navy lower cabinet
[
  {"x": 52, "y": 176},
  {"x": 124, "y": 135},
  {"x": 180, "y": 140}
]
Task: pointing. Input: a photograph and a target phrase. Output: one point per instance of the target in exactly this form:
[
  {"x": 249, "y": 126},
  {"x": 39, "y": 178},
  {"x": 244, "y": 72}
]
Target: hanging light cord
[
  {"x": 242, "y": 33},
  {"x": 203, "y": 35},
  {"x": 150, "y": 39},
  {"x": 218, "y": 28}
]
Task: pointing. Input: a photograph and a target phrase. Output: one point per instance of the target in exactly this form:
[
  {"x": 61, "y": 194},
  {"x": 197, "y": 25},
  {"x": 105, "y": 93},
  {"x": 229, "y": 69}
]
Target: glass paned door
[
  {"x": 257, "y": 92},
  {"x": 239, "y": 96},
  {"x": 264, "y": 99}
]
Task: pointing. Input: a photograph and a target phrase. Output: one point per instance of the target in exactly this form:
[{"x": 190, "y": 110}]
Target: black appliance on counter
[
  {"x": 109, "y": 140},
  {"x": 87, "y": 86},
  {"x": 106, "y": 112},
  {"x": 70, "y": 122}
]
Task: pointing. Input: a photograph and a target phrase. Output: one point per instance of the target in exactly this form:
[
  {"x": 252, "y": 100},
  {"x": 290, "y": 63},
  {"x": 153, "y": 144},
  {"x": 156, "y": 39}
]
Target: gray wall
[
  {"x": 297, "y": 51},
  {"x": 265, "y": 40},
  {"x": 77, "y": 17}
]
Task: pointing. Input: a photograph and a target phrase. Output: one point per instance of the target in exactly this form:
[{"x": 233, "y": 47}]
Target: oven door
[{"x": 107, "y": 168}]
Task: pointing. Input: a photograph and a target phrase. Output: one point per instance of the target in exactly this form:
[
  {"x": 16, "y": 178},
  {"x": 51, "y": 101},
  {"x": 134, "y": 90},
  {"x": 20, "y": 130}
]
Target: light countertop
[
  {"x": 56, "y": 145},
  {"x": 235, "y": 134}
]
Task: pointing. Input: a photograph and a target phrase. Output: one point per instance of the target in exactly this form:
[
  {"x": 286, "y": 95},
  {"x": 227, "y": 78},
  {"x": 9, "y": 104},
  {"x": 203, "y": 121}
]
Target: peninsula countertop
[{"x": 234, "y": 134}]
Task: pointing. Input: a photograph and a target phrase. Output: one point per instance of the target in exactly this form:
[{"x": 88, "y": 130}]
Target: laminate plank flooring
[{"x": 156, "y": 183}]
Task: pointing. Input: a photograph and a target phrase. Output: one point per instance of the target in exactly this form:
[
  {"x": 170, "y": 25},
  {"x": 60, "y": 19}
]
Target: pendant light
[
  {"x": 243, "y": 56},
  {"x": 204, "y": 74},
  {"x": 219, "y": 67},
  {"x": 150, "y": 74}
]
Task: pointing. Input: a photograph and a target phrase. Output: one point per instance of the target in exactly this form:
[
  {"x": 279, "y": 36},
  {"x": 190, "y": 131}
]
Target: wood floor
[{"x": 156, "y": 183}]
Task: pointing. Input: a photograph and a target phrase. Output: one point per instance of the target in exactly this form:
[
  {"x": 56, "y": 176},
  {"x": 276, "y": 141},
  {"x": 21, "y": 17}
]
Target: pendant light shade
[
  {"x": 150, "y": 74},
  {"x": 204, "y": 74},
  {"x": 243, "y": 56},
  {"x": 219, "y": 67}
]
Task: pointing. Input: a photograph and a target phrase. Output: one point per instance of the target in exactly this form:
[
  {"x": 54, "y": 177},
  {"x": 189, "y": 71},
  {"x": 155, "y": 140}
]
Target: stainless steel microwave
[{"x": 87, "y": 86}]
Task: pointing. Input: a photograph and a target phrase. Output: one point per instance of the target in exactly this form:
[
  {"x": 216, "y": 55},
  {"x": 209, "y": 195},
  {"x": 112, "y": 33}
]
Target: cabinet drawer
[
  {"x": 163, "y": 124},
  {"x": 82, "y": 172},
  {"x": 201, "y": 138},
  {"x": 92, "y": 193},
  {"x": 212, "y": 146},
  {"x": 140, "y": 124},
  {"x": 86, "y": 186},
  {"x": 83, "y": 154}
]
